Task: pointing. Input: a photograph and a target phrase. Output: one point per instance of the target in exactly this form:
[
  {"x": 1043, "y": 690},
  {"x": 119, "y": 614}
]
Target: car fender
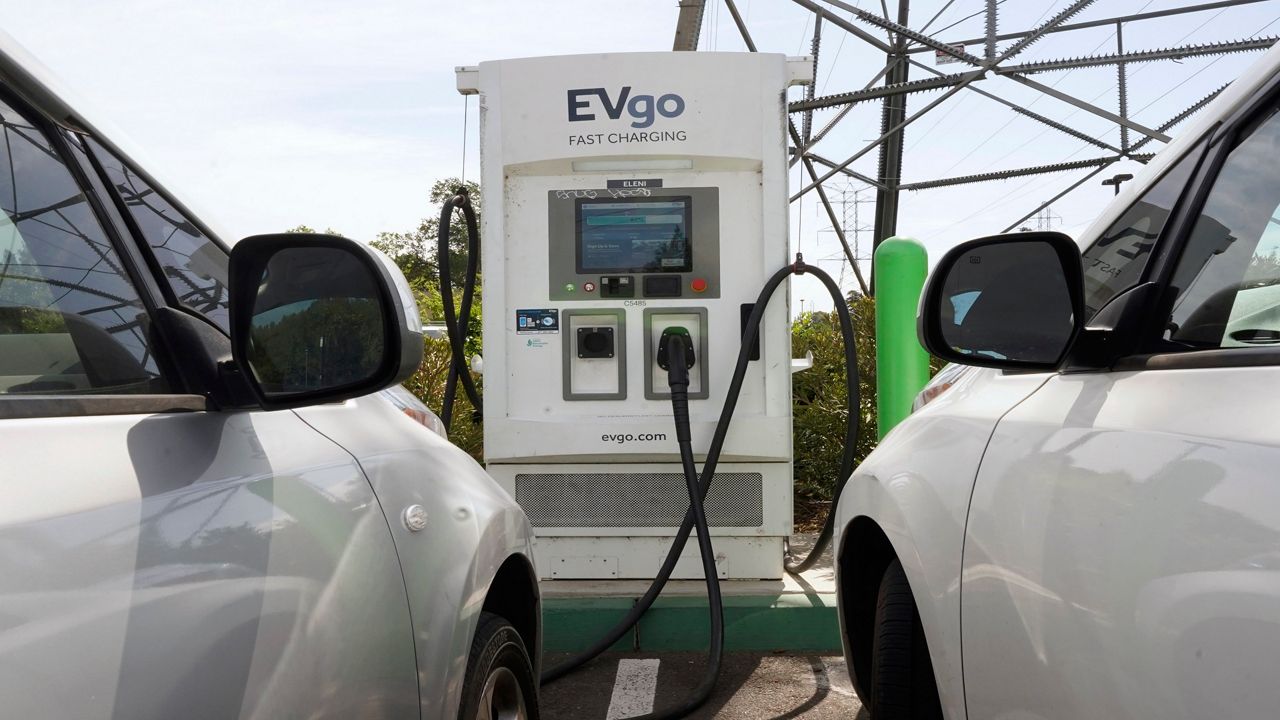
[
  {"x": 503, "y": 533},
  {"x": 915, "y": 486},
  {"x": 472, "y": 527}
]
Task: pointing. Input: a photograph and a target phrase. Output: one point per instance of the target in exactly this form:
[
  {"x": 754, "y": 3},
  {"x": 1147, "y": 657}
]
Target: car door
[
  {"x": 158, "y": 559},
  {"x": 1123, "y": 550}
]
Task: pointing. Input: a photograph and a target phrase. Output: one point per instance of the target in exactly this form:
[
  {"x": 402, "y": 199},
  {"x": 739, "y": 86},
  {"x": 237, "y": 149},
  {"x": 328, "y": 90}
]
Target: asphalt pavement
[{"x": 752, "y": 686}]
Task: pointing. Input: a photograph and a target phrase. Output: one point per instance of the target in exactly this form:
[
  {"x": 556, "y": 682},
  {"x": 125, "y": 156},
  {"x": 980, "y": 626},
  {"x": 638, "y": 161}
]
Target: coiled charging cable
[{"x": 458, "y": 325}]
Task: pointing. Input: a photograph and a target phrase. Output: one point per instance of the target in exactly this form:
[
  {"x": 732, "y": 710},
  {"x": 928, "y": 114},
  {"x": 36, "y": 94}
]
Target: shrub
[
  {"x": 818, "y": 396},
  {"x": 428, "y": 384}
]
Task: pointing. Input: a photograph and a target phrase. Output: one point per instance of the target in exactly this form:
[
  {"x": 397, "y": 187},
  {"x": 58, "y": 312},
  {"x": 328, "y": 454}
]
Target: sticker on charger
[{"x": 543, "y": 321}]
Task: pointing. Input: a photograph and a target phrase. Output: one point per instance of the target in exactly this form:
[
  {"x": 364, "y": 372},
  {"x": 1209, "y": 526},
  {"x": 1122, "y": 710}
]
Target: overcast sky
[{"x": 342, "y": 114}]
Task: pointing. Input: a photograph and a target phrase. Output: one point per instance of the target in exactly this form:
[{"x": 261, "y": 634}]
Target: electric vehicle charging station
[{"x": 628, "y": 195}]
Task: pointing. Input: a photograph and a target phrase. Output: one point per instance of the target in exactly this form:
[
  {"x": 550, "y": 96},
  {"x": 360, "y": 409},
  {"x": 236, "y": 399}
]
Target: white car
[
  {"x": 1088, "y": 524},
  {"x": 208, "y": 509}
]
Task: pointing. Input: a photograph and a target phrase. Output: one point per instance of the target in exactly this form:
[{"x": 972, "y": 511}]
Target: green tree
[
  {"x": 310, "y": 230},
  {"x": 428, "y": 384},
  {"x": 416, "y": 253}
]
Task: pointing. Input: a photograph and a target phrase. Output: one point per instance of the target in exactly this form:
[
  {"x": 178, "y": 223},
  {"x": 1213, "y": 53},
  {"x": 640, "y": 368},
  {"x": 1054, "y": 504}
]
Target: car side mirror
[
  {"x": 319, "y": 318},
  {"x": 1006, "y": 301}
]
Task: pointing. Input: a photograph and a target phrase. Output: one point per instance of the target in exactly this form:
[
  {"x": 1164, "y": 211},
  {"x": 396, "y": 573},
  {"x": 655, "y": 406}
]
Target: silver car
[{"x": 207, "y": 508}]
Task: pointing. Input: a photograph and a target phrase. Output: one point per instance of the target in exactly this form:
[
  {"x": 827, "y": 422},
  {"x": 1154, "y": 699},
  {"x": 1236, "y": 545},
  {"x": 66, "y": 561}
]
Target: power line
[
  {"x": 966, "y": 17},
  {"x": 1037, "y": 98},
  {"x": 1206, "y": 67},
  {"x": 804, "y": 33},
  {"x": 1009, "y": 198},
  {"x": 1006, "y": 199},
  {"x": 937, "y": 15},
  {"x": 832, "y": 68}
]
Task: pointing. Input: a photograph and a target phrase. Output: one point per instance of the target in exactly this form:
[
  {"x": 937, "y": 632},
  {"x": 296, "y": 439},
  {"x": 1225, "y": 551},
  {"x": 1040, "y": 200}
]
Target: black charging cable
[
  {"x": 853, "y": 422},
  {"x": 847, "y": 460},
  {"x": 676, "y": 356},
  {"x": 458, "y": 325}
]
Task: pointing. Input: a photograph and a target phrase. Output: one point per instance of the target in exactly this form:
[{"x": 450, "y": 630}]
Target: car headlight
[
  {"x": 410, "y": 405},
  {"x": 942, "y": 382}
]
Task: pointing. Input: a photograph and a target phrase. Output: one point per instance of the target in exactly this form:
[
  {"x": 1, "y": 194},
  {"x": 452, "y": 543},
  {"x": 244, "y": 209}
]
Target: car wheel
[
  {"x": 499, "y": 684},
  {"x": 902, "y": 683}
]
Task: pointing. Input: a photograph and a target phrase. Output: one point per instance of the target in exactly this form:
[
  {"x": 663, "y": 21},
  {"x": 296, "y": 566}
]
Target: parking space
[{"x": 752, "y": 686}]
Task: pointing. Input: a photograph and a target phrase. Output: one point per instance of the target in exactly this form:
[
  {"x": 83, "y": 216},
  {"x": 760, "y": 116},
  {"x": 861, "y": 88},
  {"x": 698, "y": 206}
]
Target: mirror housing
[
  {"x": 1013, "y": 302},
  {"x": 293, "y": 293}
]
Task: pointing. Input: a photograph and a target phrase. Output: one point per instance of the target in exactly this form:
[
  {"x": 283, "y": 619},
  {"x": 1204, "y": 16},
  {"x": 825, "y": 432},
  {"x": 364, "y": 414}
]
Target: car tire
[
  {"x": 902, "y": 682},
  {"x": 500, "y": 684}
]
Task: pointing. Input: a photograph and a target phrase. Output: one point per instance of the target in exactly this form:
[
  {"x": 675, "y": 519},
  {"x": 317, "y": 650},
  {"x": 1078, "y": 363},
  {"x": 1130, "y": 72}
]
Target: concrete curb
[{"x": 785, "y": 622}]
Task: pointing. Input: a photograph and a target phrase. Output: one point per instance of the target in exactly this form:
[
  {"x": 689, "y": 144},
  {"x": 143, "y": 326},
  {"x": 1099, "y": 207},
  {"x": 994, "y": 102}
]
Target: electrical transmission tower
[
  {"x": 1046, "y": 219},
  {"x": 996, "y": 54},
  {"x": 852, "y": 225}
]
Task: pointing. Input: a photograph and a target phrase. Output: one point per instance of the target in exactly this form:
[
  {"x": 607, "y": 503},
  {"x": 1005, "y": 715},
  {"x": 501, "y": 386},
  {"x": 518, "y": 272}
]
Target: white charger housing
[{"x": 624, "y": 194}]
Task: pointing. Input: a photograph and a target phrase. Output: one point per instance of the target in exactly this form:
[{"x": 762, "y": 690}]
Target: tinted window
[
  {"x": 1116, "y": 261},
  {"x": 70, "y": 319},
  {"x": 1227, "y": 281},
  {"x": 194, "y": 266}
]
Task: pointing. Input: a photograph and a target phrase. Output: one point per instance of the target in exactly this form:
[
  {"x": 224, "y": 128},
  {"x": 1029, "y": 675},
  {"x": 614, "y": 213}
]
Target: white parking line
[{"x": 633, "y": 689}]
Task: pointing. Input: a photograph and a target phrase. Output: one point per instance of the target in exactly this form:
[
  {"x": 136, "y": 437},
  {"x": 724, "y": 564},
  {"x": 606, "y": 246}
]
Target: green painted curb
[
  {"x": 572, "y": 624},
  {"x": 801, "y": 623}
]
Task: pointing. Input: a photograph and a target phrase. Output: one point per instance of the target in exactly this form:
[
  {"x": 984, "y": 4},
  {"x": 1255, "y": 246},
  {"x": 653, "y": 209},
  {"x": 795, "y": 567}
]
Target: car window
[
  {"x": 1116, "y": 261},
  {"x": 194, "y": 266},
  {"x": 70, "y": 319},
  {"x": 1227, "y": 282}
]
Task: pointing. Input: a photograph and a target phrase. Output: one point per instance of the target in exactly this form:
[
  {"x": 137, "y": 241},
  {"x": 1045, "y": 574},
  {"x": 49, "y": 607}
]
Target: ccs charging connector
[
  {"x": 675, "y": 355},
  {"x": 664, "y": 347}
]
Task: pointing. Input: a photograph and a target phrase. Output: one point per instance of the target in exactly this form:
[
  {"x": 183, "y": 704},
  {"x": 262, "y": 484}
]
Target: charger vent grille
[{"x": 636, "y": 499}]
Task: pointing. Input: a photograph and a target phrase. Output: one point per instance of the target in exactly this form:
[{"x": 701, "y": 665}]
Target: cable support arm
[
  {"x": 1022, "y": 172},
  {"x": 1221, "y": 48}
]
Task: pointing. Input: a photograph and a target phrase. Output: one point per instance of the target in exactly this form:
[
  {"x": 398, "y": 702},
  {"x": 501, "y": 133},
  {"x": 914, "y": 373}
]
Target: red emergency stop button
[{"x": 698, "y": 285}]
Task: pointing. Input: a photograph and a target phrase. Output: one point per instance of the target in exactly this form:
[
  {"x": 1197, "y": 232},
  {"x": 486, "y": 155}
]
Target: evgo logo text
[{"x": 642, "y": 109}]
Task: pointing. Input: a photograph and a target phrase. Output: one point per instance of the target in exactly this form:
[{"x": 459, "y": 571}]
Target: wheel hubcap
[{"x": 502, "y": 698}]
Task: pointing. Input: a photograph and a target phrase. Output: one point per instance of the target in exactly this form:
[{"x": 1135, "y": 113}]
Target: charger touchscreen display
[{"x": 634, "y": 235}]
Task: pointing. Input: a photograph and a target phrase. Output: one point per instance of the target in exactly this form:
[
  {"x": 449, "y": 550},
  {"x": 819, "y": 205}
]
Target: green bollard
[{"x": 902, "y": 366}]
